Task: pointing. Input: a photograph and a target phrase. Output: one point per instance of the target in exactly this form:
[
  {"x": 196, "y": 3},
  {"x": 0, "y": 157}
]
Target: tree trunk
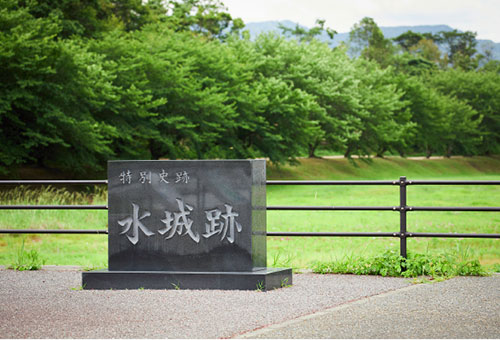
[
  {"x": 312, "y": 149},
  {"x": 428, "y": 153},
  {"x": 448, "y": 151},
  {"x": 381, "y": 152},
  {"x": 347, "y": 153}
]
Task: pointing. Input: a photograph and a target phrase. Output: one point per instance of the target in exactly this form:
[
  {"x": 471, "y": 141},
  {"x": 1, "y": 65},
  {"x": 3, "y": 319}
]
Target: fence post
[{"x": 402, "y": 216}]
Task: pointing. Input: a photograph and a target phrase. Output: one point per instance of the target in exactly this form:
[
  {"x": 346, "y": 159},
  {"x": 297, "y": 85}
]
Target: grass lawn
[{"x": 300, "y": 252}]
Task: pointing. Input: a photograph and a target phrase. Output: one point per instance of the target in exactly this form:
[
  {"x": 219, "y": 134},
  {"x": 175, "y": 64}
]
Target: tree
[
  {"x": 91, "y": 17},
  {"x": 355, "y": 107},
  {"x": 168, "y": 68},
  {"x": 427, "y": 49},
  {"x": 444, "y": 124},
  {"x": 491, "y": 66},
  {"x": 49, "y": 91},
  {"x": 462, "y": 135},
  {"x": 423, "y": 103},
  {"x": 367, "y": 37},
  {"x": 290, "y": 111},
  {"x": 461, "y": 48},
  {"x": 410, "y": 39},
  {"x": 478, "y": 90},
  {"x": 206, "y": 17},
  {"x": 382, "y": 122}
]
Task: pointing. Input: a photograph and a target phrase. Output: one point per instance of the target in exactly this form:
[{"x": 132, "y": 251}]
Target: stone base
[{"x": 259, "y": 279}]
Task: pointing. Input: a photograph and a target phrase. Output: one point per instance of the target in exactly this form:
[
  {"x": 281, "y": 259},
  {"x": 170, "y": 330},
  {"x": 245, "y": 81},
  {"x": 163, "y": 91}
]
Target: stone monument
[{"x": 187, "y": 225}]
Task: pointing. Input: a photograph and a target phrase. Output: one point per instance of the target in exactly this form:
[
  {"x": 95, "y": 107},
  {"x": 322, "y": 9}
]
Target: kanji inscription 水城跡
[{"x": 220, "y": 222}]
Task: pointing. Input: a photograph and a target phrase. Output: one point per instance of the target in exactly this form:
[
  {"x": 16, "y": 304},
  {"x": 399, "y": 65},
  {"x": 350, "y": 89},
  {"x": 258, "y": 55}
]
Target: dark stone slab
[
  {"x": 187, "y": 215},
  {"x": 187, "y": 225},
  {"x": 263, "y": 279}
]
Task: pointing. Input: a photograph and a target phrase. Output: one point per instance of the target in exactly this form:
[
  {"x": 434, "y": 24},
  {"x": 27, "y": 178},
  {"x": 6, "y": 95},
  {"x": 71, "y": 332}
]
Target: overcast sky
[{"x": 480, "y": 16}]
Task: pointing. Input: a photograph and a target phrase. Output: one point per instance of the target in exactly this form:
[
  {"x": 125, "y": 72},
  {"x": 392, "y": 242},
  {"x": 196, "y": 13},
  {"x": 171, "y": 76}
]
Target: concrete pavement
[
  {"x": 463, "y": 307},
  {"x": 50, "y": 304}
]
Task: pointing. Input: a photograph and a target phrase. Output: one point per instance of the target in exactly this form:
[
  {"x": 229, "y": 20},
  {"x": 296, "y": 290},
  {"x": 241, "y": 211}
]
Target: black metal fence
[{"x": 402, "y": 208}]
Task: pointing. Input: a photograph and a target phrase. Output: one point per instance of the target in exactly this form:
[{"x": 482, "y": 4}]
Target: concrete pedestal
[{"x": 260, "y": 279}]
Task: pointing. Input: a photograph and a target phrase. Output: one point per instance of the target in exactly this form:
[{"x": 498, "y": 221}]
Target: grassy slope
[
  {"x": 389, "y": 168},
  {"x": 90, "y": 250}
]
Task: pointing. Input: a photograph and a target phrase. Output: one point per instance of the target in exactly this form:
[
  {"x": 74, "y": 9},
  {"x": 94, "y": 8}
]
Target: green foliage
[
  {"x": 391, "y": 263},
  {"x": 461, "y": 48},
  {"x": 206, "y": 17},
  {"x": 285, "y": 283},
  {"x": 281, "y": 260},
  {"x": 479, "y": 91},
  {"x": 88, "y": 81},
  {"x": 383, "y": 123},
  {"x": 78, "y": 288},
  {"x": 307, "y": 35},
  {"x": 368, "y": 37},
  {"x": 27, "y": 260},
  {"x": 48, "y": 95},
  {"x": 89, "y": 18},
  {"x": 444, "y": 124},
  {"x": 90, "y": 267},
  {"x": 410, "y": 39}
]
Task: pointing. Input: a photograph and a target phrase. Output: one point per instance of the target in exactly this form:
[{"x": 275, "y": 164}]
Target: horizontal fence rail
[
  {"x": 387, "y": 234},
  {"x": 402, "y": 208},
  {"x": 53, "y": 207},
  {"x": 53, "y": 231},
  {"x": 331, "y": 182},
  {"x": 328, "y": 208},
  {"x": 452, "y": 182},
  {"x": 53, "y": 182},
  {"x": 324, "y": 234}
]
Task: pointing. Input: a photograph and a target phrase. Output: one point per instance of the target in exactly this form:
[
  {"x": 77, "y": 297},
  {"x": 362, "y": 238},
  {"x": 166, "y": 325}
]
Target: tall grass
[
  {"x": 52, "y": 219},
  {"x": 85, "y": 250}
]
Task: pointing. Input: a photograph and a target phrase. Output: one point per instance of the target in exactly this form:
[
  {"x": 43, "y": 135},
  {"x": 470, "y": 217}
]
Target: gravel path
[
  {"x": 48, "y": 304},
  {"x": 465, "y": 307}
]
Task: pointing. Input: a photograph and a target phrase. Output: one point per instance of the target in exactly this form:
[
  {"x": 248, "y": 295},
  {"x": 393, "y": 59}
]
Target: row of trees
[{"x": 84, "y": 82}]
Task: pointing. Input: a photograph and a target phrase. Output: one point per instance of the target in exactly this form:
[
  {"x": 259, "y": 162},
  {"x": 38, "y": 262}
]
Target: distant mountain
[{"x": 255, "y": 28}]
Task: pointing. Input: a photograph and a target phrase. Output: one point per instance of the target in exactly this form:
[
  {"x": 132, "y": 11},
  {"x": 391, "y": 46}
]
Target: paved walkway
[
  {"x": 50, "y": 304},
  {"x": 457, "y": 308}
]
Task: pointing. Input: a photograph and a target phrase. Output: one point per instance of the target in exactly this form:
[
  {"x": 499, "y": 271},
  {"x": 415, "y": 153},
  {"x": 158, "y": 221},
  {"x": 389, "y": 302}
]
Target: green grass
[
  {"x": 84, "y": 250},
  {"x": 90, "y": 251},
  {"x": 27, "y": 260},
  {"x": 302, "y": 252}
]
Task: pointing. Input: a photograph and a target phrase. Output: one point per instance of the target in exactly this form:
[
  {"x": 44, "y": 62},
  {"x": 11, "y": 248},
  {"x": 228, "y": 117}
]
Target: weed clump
[
  {"x": 390, "y": 263},
  {"x": 27, "y": 260}
]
